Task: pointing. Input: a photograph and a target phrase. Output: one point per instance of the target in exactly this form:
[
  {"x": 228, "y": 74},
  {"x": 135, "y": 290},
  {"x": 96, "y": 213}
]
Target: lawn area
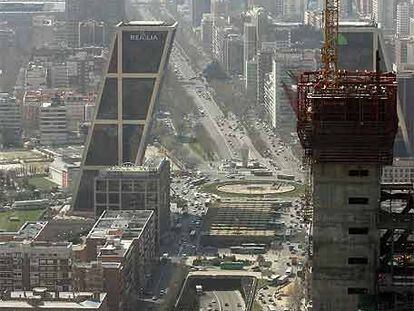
[
  {"x": 10, "y": 155},
  {"x": 23, "y": 216},
  {"x": 41, "y": 183}
]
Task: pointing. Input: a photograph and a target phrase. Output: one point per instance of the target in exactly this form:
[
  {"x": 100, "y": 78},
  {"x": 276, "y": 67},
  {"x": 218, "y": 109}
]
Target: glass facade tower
[{"x": 125, "y": 106}]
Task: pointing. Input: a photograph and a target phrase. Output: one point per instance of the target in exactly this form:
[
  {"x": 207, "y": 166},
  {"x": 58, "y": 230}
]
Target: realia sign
[{"x": 144, "y": 37}]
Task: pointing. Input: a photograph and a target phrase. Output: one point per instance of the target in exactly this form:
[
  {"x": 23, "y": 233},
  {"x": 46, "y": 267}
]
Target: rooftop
[
  {"x": 146, "y": 23},
  {"x": 30, "y": 230},
  {"x": 39, "y": 298},
  {"x": 152, "y": 166},
  {"x": 120, "y": 229},
  {"x": 120, "y": 223}
]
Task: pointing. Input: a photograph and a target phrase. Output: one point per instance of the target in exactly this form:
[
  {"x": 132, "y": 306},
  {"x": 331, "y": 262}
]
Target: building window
[
  {"x": 363, "y": 230},
  {"x": 358, "y": 200},
  {"x": 358, "y": 173},
  {"x": 357, "y": 291},
  {"x": 357, "y": 261}
]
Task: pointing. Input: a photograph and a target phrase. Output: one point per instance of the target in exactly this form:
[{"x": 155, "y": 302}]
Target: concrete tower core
[
  {"x": 347, "y": 129},
  {"x": 125, "y": 105}
]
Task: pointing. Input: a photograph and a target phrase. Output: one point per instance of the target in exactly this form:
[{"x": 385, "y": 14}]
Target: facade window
[
  {"x": 357, "y": 291},
  {"x": 357, "y": 261},
  {"x": 355, "y": 230},
  {"x": 358, "y": 200}
]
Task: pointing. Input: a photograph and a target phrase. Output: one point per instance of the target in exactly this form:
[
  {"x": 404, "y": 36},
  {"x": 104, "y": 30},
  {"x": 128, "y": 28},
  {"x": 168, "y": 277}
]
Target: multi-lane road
[{"x": 222, "y": 301}]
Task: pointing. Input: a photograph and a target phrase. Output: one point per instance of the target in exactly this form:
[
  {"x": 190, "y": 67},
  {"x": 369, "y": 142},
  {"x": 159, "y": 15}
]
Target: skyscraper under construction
[{"x": 347, "y": 122}]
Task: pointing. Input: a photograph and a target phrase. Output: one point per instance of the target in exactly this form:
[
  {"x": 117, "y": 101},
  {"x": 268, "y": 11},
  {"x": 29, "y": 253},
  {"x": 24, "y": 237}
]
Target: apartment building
[
  {"x": 117, "y": 257},
  {"x": 53, "y": 124},
  {"x": 27, "y": 264}
]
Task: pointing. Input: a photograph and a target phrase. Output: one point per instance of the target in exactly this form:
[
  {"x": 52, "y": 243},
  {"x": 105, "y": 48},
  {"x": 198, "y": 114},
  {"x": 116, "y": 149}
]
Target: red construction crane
[{"x": 330, "y": 48}]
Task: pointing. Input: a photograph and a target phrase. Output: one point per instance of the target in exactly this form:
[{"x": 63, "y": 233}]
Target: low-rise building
[
  {"x": 27, "y": 264},
  {"x": 41, "y": 299},
  {"x": 64, "y": 171}
]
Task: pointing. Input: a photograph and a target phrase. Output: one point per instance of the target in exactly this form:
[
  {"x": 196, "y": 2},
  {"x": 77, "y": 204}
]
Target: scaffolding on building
[
  {"x": 396, "y": 270},
  {"x": 351, "y": 120}
]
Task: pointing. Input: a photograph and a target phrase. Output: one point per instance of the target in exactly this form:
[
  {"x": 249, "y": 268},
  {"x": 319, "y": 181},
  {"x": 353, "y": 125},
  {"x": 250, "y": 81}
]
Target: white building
[
  {"x": 53, "y": 124},
  {"x": 403, "y": 18},
  {"x": 279, "y": 86},
  {"x": 402, "y": 171},
  {"x": 64, "y": 172}
]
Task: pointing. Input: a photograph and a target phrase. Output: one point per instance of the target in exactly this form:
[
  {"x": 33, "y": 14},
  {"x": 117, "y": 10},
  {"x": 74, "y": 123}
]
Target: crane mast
[{"x": 330, "y": 49}]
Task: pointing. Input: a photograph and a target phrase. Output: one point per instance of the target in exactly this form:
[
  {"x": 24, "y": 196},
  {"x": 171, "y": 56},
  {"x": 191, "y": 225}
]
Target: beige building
[{"x": 28, "y": 264}]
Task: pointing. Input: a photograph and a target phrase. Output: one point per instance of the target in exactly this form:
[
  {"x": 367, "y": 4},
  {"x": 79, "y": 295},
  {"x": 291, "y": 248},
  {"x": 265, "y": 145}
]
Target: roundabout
[{"x": 269, "y": 188}]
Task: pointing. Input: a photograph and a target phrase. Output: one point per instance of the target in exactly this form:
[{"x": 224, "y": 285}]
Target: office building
[
  {"x": 404, "y": 50},
  {"x": 41, "y": 299},
  {"x": 207, "y": 31},
  {"x": 117, "y": 257},
  {"x": 264, "y": 66},
  {"x": 403, "y": 19},
  {"x": 294, "y": 10},
  {"x": 136, "y": 188},
  {"x": 251, "y": 78},
  {"x": 53, "y": 123},
  {"x": 250, "y": 41},
  {"x": 364, "y": 7},
  {"x": 27, "y": 264},
  {"x": 383, "y": 12},
  {"x": 358, "y": 44},
  {"x": 198, "y": 8},
  {"x": 91, "y": 33},
  {"x": 10, "y": 121},
  {"x": 125, "y": 105},
  {"x": 279, "y": 83},
  {"x": 233, "y": 54},
  {"x": 347, "y": 156},
  {"x": 401, "y": 171}
]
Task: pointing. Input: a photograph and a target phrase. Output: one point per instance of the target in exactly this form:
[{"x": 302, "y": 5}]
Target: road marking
[{"x": 218, "y": 299}]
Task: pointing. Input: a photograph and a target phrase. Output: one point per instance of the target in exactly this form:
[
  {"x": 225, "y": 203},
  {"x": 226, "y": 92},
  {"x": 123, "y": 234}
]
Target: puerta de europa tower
[{"x": 138, "y": 59}]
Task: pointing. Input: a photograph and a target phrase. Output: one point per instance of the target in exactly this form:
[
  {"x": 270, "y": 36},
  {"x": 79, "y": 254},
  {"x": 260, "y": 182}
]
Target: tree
[{"x": 296, "y": 293}]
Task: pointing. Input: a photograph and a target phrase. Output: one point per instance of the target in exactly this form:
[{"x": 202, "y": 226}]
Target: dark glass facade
[
  {"x": 103, "y": 148},
  {"x": 356, "y": 50},
  {"x": 123, "y": 111},
  {"x": 108, "y": 108},
  {"x": 136, "y": 98},
  {"x": 142, "y": 51},
  {"x": 131, "y": 139}
]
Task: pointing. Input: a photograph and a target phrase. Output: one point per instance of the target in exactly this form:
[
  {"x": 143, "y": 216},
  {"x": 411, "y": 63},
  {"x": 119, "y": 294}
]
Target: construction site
[{"x": 362, "y": 255}]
